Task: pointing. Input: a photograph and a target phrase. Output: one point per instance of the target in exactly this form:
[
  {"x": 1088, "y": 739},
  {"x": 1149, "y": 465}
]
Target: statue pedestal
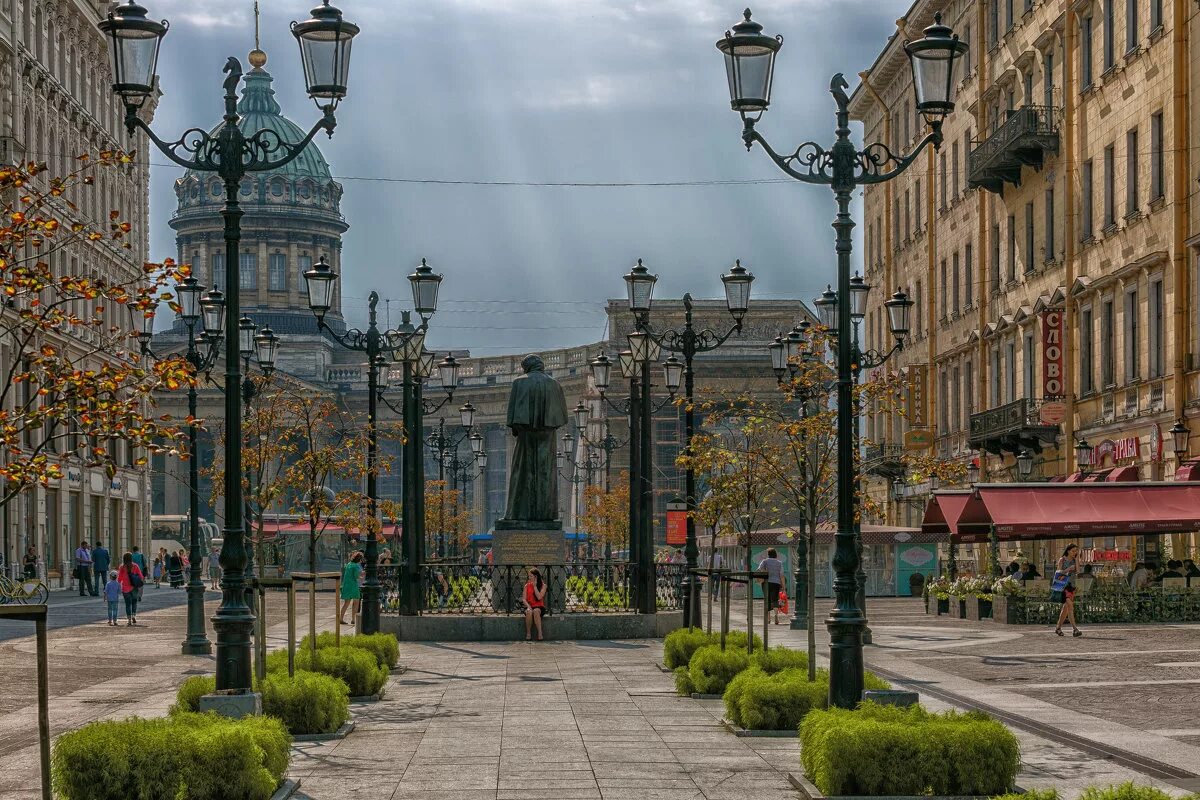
[{"x": 518, "y": 545}]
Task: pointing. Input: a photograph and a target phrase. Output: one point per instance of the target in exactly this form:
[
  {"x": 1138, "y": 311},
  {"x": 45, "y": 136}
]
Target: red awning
[
  {"x": 942, "y": 512},
  {"x": 1055, "y": 510},
  {"x": 1188, "y": 471},
  {"x": 1125, "y": 474}
]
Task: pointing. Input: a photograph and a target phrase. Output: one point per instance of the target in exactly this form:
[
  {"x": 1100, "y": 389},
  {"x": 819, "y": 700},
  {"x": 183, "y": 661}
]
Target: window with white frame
[{"x": 277, "y": 272}]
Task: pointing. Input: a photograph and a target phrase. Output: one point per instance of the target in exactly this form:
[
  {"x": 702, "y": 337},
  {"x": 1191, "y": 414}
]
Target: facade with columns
[
  {"x": 1050, "y": 244},
  {"x": 57, "y": 104}
]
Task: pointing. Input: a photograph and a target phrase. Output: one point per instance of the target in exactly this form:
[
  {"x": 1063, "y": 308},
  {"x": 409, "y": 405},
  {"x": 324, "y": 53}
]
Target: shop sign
[
  {"x": 918, "y": 439},
  {"x": 1156, "y": 443},
  {"x": 1052, "y": 353},
  {"x": 1052, "y": 413},
  {"x": 915, "y": 400},
  {"x": 1120, "y": 450},
  {"x": 75, "y": 477},
  {"x": 677, "y": 528},
  {"x": 116, "y": 484},
  {"x": 1110, "y": 555}
]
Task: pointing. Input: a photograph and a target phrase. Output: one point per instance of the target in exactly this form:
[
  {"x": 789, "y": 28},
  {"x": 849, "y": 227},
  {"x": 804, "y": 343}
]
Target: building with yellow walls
[{"x": 1058, "y": 209}]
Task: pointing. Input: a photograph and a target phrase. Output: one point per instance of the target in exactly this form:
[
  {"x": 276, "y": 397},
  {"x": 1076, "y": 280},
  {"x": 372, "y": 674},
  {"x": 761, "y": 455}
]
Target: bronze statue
[{"x": 536, "y": 410}]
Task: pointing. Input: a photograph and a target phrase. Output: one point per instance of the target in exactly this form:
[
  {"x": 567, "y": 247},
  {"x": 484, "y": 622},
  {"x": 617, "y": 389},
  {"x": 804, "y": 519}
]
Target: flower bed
[
  {"x": 885, "y": 750},
  {"x": 197, "y": 756},
  {"x": 1103, "y": 604}
]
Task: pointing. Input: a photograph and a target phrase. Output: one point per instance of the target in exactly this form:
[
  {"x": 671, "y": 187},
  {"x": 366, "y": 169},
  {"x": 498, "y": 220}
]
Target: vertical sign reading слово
[{"x": 1052, "y": 354}]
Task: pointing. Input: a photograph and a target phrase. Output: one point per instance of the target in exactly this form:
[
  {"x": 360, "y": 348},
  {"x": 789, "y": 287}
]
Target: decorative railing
[
  {"x": 1025, "y": 128},
  {"x": 592, "y": 587},
  {"x": 1111, "y": 604}
]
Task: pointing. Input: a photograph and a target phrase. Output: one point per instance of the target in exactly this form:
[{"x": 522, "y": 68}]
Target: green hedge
[
  {"x": 1124, "y": 791},
  {"x": 779, "y": 658},
  {"x": 711, "y": 669},
  {"x": 383, "y": 646},
  {"x": 191, "y": 690},
  {"x": 885, "y": 750},
  {"x": 197, "y": 756},
  {"x": 680, "y": 644},
  {"x": 308, "y": 702},
  {"x": 356, "y": 666},
  {"x": 758, "y": 699}
]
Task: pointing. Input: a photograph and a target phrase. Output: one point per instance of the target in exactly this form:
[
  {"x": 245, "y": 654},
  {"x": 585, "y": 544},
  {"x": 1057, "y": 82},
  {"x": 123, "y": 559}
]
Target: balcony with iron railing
[
  {"x": 1011, "y": 428},
  {"x": 1024, "y": 139},
  {"x": 886, "y": 460}
]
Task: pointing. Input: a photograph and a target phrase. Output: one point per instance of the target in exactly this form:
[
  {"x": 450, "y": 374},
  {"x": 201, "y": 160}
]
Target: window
[
  {"x": 1156, "y": 14},
  {"x": 1108, "y": 325},
  {"x": 919, "y": 319},
  {"x": 995, "y": 258},
  {"x": 1085, "y": 53},
  {"x": 954, "y": 169},
  {"x": 994, "y": 27},
  {"x": 907, "y": 216},
  {"x": 303, "y": 265},
  {"x": 967, "y": 155},
  {"x": 248, "y": 271},
  {"x": 1049, "y": 225},
  {"x": 955, "y": 278},
  {"x": 969, "y": 387},
  {"x": 1008, "y": 15},
  {"x": 956, "y": 400},
  {"x": 1109, "y": 36},
  {"x": 995, "y": 382},
  {"x": 966, "y": 57},
  {"x": 917, "y": 205},
  {"x": 1157, "y": 331},
  {"x": 1010, "y": 371},
  {"x": 1030, "y": 386},
  {"x": 907, "y": 131},
  {"x": 1086, "y": 369},
  {"x": 1028, "y": 6},
  {"x": 1027, "y": 97},
  {"x": 1131, "y": 173},
  {"x": 218, "y": 271},
  {"x": 1048, "y": 79},
  {"x": 1131, "y": 25},
  {"x": 896, "y": 222},
  {"x": 945, "y": 195},
  {"x": 943, "y": 403},
  {"x": 277, "y": 272},
  {"x": 1085, "y": 178},
  {"x": 1012, "y": 248},
  {"x": 1133, "y": 369},
  {"x": 945, "y": 309},
  {"x": 1156, "y": 156},
  {"x": 1029, "y": 237},
  {"x": 1110, "y": 212},
  {"x": 969, "y": 276}
]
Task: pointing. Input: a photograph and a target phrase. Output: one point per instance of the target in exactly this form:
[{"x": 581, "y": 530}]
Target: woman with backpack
[{"x": 131, "y": 579}]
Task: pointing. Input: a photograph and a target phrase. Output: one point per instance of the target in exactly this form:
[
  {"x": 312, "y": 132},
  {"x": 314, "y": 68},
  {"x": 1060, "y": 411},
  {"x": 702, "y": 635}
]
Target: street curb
[
  {"x": 698, "y": 696},
  {"x": 340, "y": 733},
  {"x": 367, "y": 698},
  {"x": 808, "y": 790},
  {"x": 662, "y": 668},
  {"x": 286, "y": 789},
  {"x": 739, "y": 731}
]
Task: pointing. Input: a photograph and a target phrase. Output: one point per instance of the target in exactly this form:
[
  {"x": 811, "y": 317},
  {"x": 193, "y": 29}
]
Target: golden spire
[{"x": 257, "y": 58}]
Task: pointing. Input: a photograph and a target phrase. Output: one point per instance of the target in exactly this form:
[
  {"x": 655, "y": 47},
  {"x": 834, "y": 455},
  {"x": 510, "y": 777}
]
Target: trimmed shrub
[
  {"x": 683, "y": 682},
  {"x": 309, "y": 702},
  {"x": 774, "y": 702},
  {"x": 191, "y": 690},
  {"x": 679, "y": 645},
  {"x": 1127, "y": 791},
  {"x": 1032, "y": 794},
  {"x": 198, "y": 756},
  {"x": 779, "y": 658},
  {"x": 357, "y": 667},
  {"x": 885, "y": 750},
  {"x": 711, "y": 668},
  {"x": 383, "y": 646},
  {"x": 874, "y": 683}
]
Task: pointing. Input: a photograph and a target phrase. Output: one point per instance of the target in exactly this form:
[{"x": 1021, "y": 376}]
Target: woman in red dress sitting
[{"x": 535, "y": 603}]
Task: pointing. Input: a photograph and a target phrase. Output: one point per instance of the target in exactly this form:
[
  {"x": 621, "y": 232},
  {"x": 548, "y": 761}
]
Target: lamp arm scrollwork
[
  {"x": 808, "y": 163},
  {"x": 876, "y": 163}
]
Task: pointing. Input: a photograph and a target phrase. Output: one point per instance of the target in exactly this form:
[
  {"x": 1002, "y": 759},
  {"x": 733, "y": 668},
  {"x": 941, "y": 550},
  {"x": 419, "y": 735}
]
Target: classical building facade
[
  {"x": 1048, "y": 243},
  {"x": 56, "y": 104}
]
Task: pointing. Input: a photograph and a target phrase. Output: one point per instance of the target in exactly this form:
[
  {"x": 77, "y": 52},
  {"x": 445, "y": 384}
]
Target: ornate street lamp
[
  {"x": 1083, "y": 455},
  {"x": 688, "y": 342},
  {"x": 1179, "y": 440},
  {"x": 973, "y": 472},
  {"x": 749, "y": 59},
  {"x": 466, "y": 415},
  {"x": 1024, "y": 464},
  {"x": 324, "y": 41},
  {"x": 581, "y": 413}
]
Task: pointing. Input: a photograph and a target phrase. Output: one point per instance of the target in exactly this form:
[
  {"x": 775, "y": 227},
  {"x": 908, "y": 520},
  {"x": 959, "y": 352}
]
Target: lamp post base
[
  {"x": 198, "y": 647},
  {"x": 799, "y": 622}
]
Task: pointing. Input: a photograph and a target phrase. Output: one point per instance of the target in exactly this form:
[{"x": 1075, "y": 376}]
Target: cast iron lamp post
[
  {"x": 635, "y": 366},
  {"x": 1083, "y": 456},
  {"x": 376, "y": 345},
  {"x": 604, "y": 442},
  {"x": 462, "y": 472},
  {"x": 443, "y": 446},
  {"x": 749, "y": 61},
  {"x": 589, "y": 465},
  {"x": 688, "y": 342},
  {"x": 203, "y": 347},
  {"x": 325, "y": 41},
  {"x": 1179, "y": 441},
  {"x": 1024, "y": 465}
]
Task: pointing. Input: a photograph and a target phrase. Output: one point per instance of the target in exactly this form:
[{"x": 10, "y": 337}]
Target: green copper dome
[{"x": 259, "y": 110}]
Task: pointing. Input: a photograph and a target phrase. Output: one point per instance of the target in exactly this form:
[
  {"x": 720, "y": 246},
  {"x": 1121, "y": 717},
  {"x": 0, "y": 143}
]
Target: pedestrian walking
[
  {"x": 101, "y": 561},
  {"x": 30, "y": 563},
  {"x": 351, "y": 594},
  {"x": 112, "y": 593},
  {"x": 1063, "y": 588},
  {"x": 157, "y": 570},
  {"x": 535, "y": 603},
  {"x": 716, "y": 563},
  {"x": 83, "y": 569},
  {"x": 175, "y": 570},
  {"x": 774, "y": 581},
  {"x": 139, "y": 558},
  {"x": 131, "y": 579},
  {"x": 441, "y": 587},
  {"x": 214, "y": 568}
]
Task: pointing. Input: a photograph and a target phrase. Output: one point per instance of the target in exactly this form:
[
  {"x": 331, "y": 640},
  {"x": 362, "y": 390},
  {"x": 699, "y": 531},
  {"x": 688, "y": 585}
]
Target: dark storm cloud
[{"x": 546, "y": 91}]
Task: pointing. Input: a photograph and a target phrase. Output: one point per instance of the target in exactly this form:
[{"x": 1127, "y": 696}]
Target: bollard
[{"x": 291, "y": 600}]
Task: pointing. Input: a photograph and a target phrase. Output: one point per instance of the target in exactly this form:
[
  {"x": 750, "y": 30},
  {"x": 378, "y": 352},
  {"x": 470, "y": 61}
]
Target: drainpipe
[{"x": 1069, "y": 160}]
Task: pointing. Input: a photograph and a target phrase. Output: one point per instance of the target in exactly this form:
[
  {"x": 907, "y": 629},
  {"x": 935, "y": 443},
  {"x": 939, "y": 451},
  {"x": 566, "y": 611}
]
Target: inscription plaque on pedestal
[{"x": 518, "y": 544}]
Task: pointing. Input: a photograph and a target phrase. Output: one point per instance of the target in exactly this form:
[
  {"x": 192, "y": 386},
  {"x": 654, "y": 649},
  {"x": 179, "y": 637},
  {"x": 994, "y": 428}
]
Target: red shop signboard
[{"x": 1052, "y": 353}]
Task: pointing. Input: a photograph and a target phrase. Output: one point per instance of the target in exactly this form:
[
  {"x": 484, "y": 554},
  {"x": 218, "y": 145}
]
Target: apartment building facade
[{"x": 1050, "y": 243}]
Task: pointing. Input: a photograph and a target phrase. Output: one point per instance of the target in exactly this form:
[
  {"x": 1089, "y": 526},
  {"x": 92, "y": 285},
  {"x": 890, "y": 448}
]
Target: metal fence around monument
[{"x": 593, "y": 587}]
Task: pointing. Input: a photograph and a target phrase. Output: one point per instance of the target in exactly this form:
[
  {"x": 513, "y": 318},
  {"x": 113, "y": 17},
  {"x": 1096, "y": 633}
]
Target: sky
[{"x": 544, "y": 91}]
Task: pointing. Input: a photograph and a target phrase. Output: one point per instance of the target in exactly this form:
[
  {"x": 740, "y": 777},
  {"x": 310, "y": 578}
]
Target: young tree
[
  {"x": 606, "y": 513},
  {"x": 72, "y": 382},
  {"x": 446, "y": 514}
]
